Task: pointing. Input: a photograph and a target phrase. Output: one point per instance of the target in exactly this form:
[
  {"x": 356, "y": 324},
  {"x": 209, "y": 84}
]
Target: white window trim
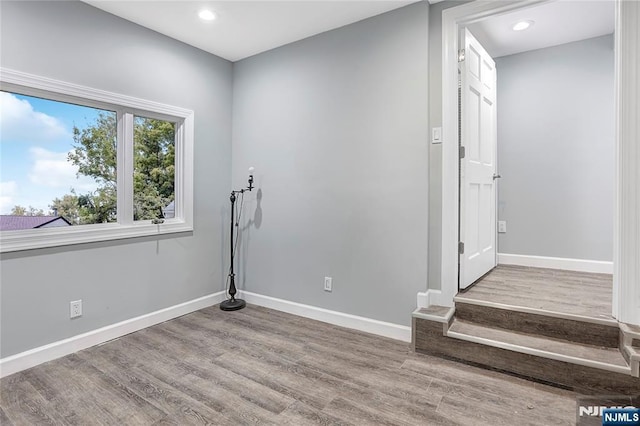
[{"x": 33, "y": 85}]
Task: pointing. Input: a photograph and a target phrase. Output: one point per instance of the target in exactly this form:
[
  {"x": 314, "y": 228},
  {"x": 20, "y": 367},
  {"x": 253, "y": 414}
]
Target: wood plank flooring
[
  {"x": 576, "y": 293},
  {"x": 259, "y": 366}
]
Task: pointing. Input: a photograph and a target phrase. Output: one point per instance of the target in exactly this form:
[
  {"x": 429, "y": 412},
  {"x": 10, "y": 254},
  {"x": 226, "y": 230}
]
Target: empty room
[{"x": 319, "y": 212}]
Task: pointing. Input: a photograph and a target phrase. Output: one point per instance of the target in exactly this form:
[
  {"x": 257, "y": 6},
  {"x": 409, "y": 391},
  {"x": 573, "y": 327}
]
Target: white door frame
[{"x": 626, "y": 254}]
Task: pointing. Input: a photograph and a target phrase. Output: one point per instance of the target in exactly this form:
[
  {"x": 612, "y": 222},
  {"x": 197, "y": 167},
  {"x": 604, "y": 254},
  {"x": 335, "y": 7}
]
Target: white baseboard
[
  {"x": 423, "y": 300},
  {"x": 368, "y": 325},
  {"x": 33, "y": 357},
  {"x": 24, "y": 360},
  {"x": 430, "y": 297},
  {"x": 595, "y": 266}
]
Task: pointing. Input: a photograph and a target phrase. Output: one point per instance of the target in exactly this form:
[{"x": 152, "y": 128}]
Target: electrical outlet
[
  {"x": 328, "y": 283},
  {"x": 502, "y": 226},
  {"x": 75, "y": 309}
]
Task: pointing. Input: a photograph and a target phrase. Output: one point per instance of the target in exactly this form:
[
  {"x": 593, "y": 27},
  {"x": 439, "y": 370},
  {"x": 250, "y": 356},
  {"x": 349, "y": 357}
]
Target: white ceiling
[
  {"x": 556, "y": 23},
  {"x": 245, "y": 28}
]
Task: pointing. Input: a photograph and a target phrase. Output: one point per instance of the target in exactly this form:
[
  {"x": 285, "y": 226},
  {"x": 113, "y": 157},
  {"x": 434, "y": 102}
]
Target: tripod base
[{"x": 232, "y": 304}]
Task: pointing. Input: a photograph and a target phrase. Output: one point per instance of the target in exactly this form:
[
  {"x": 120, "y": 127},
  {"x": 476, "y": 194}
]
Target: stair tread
[
  {"x": 434, "y": 310},
  {"x": 435, "y": 313},
  {"x": 633, "y": 351},
  {"x": 563, "y": 292},
  {"x": 577, "y": 351},
  {"x": 516, "y": 306},
  {"x": 631, "y": 330}
]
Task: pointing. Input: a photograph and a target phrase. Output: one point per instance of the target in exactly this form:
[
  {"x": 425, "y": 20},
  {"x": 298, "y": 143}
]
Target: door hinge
[
  {"x": 462, "y": 152},
  {"x": 460, "y": 247},
  {"x": 461, "y": 54}
]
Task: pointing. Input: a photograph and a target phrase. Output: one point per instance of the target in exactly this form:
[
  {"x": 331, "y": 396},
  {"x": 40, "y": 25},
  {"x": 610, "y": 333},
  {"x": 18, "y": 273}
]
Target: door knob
[{"x": 496, "y": 176}]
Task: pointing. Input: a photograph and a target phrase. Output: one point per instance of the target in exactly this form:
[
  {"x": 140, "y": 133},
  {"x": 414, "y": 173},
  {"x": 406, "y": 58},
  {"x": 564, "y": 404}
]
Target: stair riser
[
  {"x": 429, "y": 339},
  {"x": 558, "y": 328}
]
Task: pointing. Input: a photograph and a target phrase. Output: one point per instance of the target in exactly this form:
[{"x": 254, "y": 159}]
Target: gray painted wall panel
[
  {"x": 74, "y": 42},
  {"x": 337, "y": 128},
  {"x": 556, "y": 145}
]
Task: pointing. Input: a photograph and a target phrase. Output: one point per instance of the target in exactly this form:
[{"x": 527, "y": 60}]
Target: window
[
  {"x": 58, "y": 161},
  {"x": 153, "y": 168},
  {"x": 81, "y": 165}
]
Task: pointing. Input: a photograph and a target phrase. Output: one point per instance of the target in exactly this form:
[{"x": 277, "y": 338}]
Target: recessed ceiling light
[
  {"x": 207, "y": 15},
  {"x": 522, "y": 25}
]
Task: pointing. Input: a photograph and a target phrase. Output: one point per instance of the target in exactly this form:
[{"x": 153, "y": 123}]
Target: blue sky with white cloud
[{"x": 35, "y": 139}]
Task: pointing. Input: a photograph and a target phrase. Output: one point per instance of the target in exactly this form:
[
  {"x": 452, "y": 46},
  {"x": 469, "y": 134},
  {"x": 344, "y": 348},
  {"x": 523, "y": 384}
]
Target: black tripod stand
[{"x": 233, "y": 304}]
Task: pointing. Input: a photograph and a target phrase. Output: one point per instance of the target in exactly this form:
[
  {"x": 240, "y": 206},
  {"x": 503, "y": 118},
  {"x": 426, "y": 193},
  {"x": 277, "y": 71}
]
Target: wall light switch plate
[
  {"x": 436, "y": 135},
  {"x": 328, "y": 284}
]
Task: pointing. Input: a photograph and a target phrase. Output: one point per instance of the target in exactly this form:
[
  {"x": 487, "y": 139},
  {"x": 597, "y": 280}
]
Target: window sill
[{"x": 30, "y": 239}]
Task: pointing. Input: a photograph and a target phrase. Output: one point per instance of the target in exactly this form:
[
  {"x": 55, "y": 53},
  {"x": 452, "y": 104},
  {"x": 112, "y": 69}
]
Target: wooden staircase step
[
  {"x": 435, "y": 313},
  {"x": 632, "y": 333},
  {"x": 632, "y": 356},
  {"x": 609, "y": 359},
  {"x": 430, "y": 337},
  {"x": 591, "y": 331},
  {"x": 546, "y": 325},
  {"x": 630, "y": 346}
]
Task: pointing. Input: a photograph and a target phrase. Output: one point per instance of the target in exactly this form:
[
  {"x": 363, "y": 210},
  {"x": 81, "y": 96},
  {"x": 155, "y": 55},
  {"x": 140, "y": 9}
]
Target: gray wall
[
  {"x": 74, "y": 42},
  {"x": 556, "y": 129},
  {"x": 337, "y": 128}
]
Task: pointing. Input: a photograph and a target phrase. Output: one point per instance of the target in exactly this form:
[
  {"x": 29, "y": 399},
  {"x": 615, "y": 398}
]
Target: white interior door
[{"x": 478, "y": 167}]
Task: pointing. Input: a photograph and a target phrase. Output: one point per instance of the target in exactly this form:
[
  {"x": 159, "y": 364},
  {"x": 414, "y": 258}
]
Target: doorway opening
[
  {"x": 537, "y": 107},
  {"x": 625, "y": 246}
]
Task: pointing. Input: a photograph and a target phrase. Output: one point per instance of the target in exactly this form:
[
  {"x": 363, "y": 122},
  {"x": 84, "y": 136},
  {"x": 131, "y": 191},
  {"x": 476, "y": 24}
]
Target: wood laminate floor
[
  {"x": 576, "y": 293},
  {"x": 259, "y": 366}
]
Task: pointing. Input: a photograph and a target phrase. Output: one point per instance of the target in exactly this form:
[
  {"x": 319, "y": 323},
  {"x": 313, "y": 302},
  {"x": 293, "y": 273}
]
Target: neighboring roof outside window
[{"x": 14, "y": 223}]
